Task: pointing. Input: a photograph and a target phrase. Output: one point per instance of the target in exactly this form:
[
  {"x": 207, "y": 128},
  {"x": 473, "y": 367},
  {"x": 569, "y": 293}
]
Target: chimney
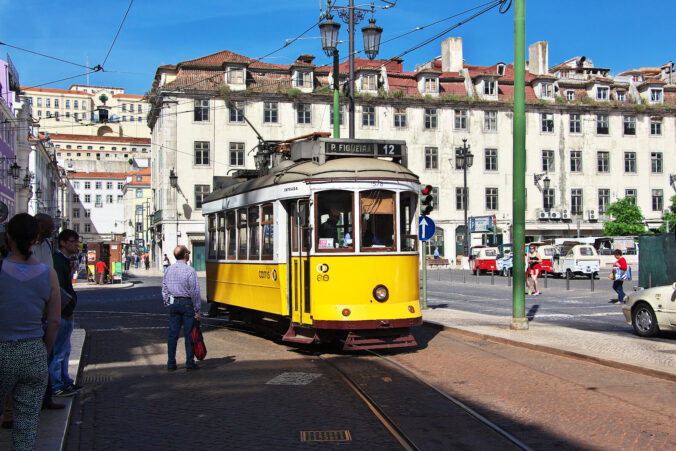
[
  {"x": 451, "y": 55},
  {"x": 538, "y": 59},
  {"x": 305, "y": 58}
]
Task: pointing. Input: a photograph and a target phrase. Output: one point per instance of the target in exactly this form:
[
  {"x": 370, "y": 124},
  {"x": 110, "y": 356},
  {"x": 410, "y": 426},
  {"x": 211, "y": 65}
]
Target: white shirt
[{"x": 42, "y": 251}]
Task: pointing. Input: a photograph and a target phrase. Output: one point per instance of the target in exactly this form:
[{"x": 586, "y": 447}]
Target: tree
[
  {"x": 103, "y": 98},
  {"x": 628, "y": 219},
  {"x": 670, "y": 217}
]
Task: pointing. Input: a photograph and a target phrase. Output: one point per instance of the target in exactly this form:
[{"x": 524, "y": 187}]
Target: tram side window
[
  {"x": 377, "y": 220},
  {"x": 335, "y": 218},
  {"x": 268, "y": 232},
  {"x": 212, "y": 237},
  {"x": 231, "y": 227},
  {"x": 254, "y": 234},
  {"x": 221, "y": 236},
  {"x": 241, "y": 233},
  {"x": 407, "y": 218}
]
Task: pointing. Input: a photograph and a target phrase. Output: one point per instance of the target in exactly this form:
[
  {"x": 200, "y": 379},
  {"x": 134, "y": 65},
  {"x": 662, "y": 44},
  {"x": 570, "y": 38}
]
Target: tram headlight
[{"x": 381, "y": 293}]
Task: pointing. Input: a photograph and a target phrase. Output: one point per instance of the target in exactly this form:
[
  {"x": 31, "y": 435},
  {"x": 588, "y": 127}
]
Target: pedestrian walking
[
  {"x": 100, "y": 272},
  {"x": 43, "y": 249},
  {"x": 62, "y": 384},
  {"x": 135, "y": 261},
  {"x": 533, "y": 270},
  {"x": 127, "y": 262},
  {"x": 146, "y": 261},
  {"x": 619, "y": 275},
  {"x": 165, "y": 263},
  {"x": 30, "y": 291},
  {"x": 436, "y": 253},
  {"x": 181, "y": 293}
]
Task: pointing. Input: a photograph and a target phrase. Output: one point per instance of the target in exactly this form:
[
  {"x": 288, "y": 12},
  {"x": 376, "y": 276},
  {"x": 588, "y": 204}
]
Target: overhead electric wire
[
  {"x": 47, "y": 56},
  {"x": 117, "y": 34}
]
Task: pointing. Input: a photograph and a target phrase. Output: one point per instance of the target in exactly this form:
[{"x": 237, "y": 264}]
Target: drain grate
[
  {"x": 325, "y": 436},
  {"x": 96, "y": 379}
]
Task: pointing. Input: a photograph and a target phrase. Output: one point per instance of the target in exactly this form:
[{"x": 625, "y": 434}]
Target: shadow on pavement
[{"x": 532, "y": 311}]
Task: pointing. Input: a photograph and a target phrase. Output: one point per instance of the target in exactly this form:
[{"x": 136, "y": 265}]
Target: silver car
[{"x": 651, "y": 310}]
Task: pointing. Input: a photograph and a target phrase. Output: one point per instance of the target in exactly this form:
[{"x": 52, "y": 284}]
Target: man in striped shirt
[{"x": 181, "y": 293}]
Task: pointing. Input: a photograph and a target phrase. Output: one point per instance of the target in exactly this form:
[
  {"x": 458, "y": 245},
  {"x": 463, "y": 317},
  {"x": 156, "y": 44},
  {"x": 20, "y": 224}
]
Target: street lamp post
[
  {"x": 329, "y": 30},
  {"x": 465, "y": 160},
  {"x": 546, "y": 183}
]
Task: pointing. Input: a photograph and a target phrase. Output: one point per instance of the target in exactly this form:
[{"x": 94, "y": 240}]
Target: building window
[
  {"x": 236, "y": 75},
  {"x": 201, "y": 110},
  {"x": 368, "y": 116},
  {"x": 109, "y": 198},
  {"x": 76, "y": 227},
  {"x": 340, "y": 115},
  {"x": 460, "y": 198},
  {"x": 656, "y": 162},
  {"x": 630, "y": 125},
  {"x": 270, "y": 112},
  {"x": 604, "y": 200},
  {"x": 75, "y": 104},
  {"x": 39, "y": 101},
  {"x": 490, "y": 121},
  {"x": 84, "y": 106},
  {"x": 48, "y": 103},
  {"x": 400, "y": 117},
  {"x": 570, "y": 94},
  {"x": 120, "y": 185},
  {"x": 120, "y": 198},
  {"x": 201, "y": 191},
  {"x": 602, "y": 124},
  {"x": 460, "y": 119},
  {"x": 76, "y": 212},
  {"x": 548, "y": 196},
  {"x": 547, "y": 120},
  {"x": 602, "y": 93},
  {"x": 98, "y": 202},
  {"x": 139, "y": 193},
  {"x": 201, "y": 153},
  {"x": 139, "y": 178},
  {"x": 87, "y": 185},
  {"x": 124, "y": 107},
  {"x": 236, "y": 109},
  {"x": 491, "y": 159},
  {"x": 76, "y": 185},
  {"x": 489, "y": 87},
  {"x": 430, "y": 118},
  {"x": 431, "y": 85},
  {"x": 109, "y": 185},
  {"x": 88, "y": 213},
  {"x": 576, "y": 201},
  {"x": 548, "y": 160},
  {"x": 630, "y": 162},
  {"x": 547, "y": 90},
  {"x": 76, "y": 198},
  {"x": 139, "y": 109},
  {"x": 304, "y": 111},
  {"x": 603, "y": 161},
  {"x": 431, "y": 158},
  {"x": 303, "y": 79},
  {"x": 236, "y": 154},
  {"x": 631, "y": 195},
  {"x": 491, "y": 198},
  {"x": 369, "y": 82},
  {"x": 658, "y": 199},
  {"x": 87, "y": 228},
  {"x": 655, "y": 96},
  {"x": 655, "y": 126},
  {"x": 621, "y": 96},
  {"x": 98, "y": 185},
  {"x": 575, "y": 161}
]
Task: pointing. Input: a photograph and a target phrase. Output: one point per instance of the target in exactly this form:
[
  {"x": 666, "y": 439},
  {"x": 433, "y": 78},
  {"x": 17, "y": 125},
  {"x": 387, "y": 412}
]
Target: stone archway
[{"x": 104, "y": 130}]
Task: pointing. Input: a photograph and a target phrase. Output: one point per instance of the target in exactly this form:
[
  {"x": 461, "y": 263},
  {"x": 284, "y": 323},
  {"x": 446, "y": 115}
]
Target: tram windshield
[
  {"x": 335, "y": 220},
  {"x": 377, "y": 219}
]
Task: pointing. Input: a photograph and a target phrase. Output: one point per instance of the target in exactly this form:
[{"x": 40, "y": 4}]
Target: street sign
[
  {"x": 481, "y": 223},
  {"x": 426, "y": 228}
]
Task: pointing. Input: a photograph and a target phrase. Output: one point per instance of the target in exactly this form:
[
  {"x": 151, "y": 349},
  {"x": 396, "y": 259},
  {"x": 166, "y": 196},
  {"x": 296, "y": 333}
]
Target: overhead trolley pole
[{"x": 519, "y": 320}]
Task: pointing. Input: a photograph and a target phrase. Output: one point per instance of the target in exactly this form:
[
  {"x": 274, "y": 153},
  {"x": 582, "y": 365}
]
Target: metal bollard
[
  {"x": 567, "y": 281},
  {"x": 492, "y": 277},
  {"x": 546, "y": 273},
  {"x": 509, "y": 278},
  {"x": 438, "y": 273},
  {"x": 464, "y": 275},
  {"x": 592, "y": 282},
  {"x": 477, "y": 275}
]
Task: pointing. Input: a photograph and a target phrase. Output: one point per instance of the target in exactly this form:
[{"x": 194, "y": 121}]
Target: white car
[{"x": 651, "y": 310}]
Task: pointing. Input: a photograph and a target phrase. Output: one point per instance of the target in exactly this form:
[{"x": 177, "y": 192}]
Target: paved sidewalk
[
  {"x": 54, "y": 423},
  {"x": 620, "y": 350}
]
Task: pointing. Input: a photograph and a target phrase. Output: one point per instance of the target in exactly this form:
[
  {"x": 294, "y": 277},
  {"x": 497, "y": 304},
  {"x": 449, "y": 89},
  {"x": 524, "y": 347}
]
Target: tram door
[{"x": 299, "y": 241}]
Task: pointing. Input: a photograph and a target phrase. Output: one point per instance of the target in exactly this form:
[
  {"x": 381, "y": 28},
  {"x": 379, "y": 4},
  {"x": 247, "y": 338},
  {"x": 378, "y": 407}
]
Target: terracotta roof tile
[
  {"x": 101, "y": 139},
  {"x": 127, "y": 96},
  {"x": 56, "y": 91},
  {"x": 97, "y": 175}
]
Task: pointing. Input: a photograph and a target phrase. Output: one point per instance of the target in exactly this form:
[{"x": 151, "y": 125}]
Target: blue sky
[{"x": 618, "y": 35}]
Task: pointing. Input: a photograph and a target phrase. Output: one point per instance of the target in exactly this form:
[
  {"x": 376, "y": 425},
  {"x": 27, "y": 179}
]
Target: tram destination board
[{"x": 358, "y": 148}]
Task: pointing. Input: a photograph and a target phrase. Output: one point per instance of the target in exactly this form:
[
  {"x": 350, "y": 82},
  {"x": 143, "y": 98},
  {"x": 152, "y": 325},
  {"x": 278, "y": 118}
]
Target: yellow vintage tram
[{"x": 323, "y": 246}]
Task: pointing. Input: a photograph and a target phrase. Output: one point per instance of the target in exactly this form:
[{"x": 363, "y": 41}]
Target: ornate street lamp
[
  {"x": 173, "y": 179},
  {"x": 372, "y": 33},
  {"x": 15, "y": 170},
  {"x": 329, "y": 30},
  {"x": 38, "y": 193},
  {"x": 465, "y": 160}
]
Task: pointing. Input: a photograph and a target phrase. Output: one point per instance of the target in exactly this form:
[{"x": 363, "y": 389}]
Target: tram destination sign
[{"x": 381, "y": 149}]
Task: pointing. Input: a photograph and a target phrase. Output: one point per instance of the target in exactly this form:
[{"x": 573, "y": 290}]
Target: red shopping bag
[{"x": 197, "y": 341}]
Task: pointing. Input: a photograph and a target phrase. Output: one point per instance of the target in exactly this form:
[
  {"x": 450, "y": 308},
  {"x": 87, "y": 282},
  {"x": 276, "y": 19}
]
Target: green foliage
[
  {"x": 586, "y": 100},
  {"x": 293, "y": 92},
  {"x": 670, "y": 216},
  {"x": 560, "y": 100},
  {"x": 398, "y": 94},
  {"x": 451, "y": 97},
  {"x": 383, "y": 94},
  {"x": 628, "y": 219},
  {"x": 224, "y": 90},
  {"x": 103, "y": 98}
]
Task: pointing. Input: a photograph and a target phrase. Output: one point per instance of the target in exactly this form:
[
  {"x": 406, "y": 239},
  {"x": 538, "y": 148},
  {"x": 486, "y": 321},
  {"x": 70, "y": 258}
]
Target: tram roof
[{"x": 341, "y": 168}]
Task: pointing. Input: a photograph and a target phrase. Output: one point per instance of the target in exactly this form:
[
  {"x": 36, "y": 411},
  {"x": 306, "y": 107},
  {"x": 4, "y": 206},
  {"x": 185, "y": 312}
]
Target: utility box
[{"x": 656, "y": 260}]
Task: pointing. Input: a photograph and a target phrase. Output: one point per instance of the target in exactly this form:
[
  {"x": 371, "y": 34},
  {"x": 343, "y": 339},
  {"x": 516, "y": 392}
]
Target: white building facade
[{"x": 596, "y": 139}]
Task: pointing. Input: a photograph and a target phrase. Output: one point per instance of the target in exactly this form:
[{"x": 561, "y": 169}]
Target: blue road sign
[{"x": 426, "y": 228}]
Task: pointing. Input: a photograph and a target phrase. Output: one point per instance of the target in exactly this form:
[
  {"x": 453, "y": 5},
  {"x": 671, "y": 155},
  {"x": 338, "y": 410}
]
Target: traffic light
[{"x": 426, "y": 200}]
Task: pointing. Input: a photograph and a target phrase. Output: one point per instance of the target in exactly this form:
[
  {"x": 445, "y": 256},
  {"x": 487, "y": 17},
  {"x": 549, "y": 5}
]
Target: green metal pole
[
  {"x": 336, "y": 96},
  {"x": 519, "y": 320},
  {"x": 424, "y": 275}
]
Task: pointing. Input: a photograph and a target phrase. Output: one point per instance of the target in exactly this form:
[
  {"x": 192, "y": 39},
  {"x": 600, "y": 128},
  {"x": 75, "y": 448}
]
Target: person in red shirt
[
  {"x": 100, "y": 271},
  {"x": 619, "y": 274}
]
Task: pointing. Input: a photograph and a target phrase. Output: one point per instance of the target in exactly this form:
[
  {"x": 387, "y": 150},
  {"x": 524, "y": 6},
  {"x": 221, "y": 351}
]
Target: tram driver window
[
  {"x": 408, "y": 219},
  {"x": 377, "y": 219},
  {"x": 241, "y": 232},
  {"x": 221, "y": 236},
  {"x": 231, "y": 228},
  {"x": 213, "y": 242},
  {"x": 254, "y": 235},
  {"x": 268, "y": 232},
  {"x": 335, "y": 220}
]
